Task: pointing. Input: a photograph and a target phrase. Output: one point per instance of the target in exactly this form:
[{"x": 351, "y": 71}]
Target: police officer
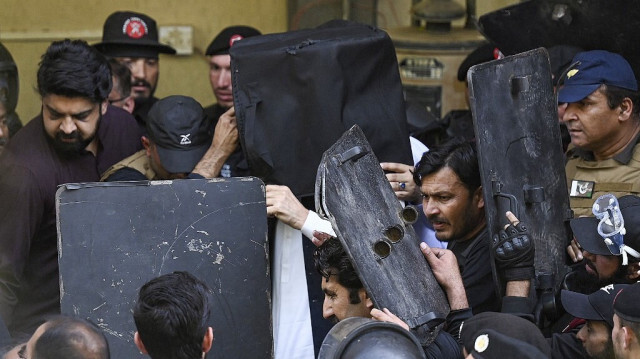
[{"x": 601, "y": 96}]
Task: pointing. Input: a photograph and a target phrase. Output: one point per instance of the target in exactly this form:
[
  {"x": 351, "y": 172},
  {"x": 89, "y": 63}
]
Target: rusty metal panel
[{"x": 114, "y": 237}]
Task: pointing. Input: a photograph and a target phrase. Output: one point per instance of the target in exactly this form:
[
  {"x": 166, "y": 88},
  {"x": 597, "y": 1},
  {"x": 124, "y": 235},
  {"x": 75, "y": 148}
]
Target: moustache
[
  {"x": 141, "y": 83},
  {"x": 435, "y": 218}
]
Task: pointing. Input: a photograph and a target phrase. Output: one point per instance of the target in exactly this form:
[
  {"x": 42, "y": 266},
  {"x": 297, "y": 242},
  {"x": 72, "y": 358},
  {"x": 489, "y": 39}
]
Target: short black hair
[
  {"x": 331, "y": 257},
  {"x": 615, "y": 95},
  {"x": 171, "y": 315},
  {"x": 72, "y": 68},
  {"x": 123, "y": 77},
  {"x": 459, "y": 155},
  {"x": 71, "y": 338}
]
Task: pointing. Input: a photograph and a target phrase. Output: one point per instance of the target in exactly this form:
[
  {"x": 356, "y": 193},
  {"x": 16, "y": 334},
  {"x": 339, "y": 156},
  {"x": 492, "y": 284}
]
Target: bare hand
[
  {"x": 282, "y": 204},
  {"x": 385, "y": 315},
  {"x": 575, "y": 251},
  {"x": 225, "y": 135},
  {"x": 400, "y": 177},
  {"x": 444, "y": 264}
]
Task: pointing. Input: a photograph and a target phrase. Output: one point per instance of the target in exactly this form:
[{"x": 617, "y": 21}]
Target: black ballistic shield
[
  {"x": 520, "y": 153},
  {"x": 588, "y": 24},
  {"x": 295, "y": 93},
  {"x": 114, "y": 237},
  {"x": 353, "y": 192}
]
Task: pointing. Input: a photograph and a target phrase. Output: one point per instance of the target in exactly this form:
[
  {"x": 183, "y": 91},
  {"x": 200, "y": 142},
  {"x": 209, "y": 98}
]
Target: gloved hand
[{"x": 514, "y": 252}]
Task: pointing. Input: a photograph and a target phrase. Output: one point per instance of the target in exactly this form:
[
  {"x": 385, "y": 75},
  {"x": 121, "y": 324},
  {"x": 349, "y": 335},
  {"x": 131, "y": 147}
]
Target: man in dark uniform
[
  {"x": 220, "y": 77},
  {"x": 449, "y": 179},
  {"x": 75, "y": 138},
  {"x": 132, "y": 39}
]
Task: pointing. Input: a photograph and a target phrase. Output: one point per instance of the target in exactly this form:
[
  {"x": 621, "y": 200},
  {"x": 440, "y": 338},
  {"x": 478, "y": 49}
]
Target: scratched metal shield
[
  {"x": 114, "y": 237},
  {"x": 520, "y": 153},
  {"x": 353, "y": 192}
]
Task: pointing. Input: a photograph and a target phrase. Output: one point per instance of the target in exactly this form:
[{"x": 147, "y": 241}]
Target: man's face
[
  {"x": 596, "y": 339},
  {"x": 337, "y": 304},
  {"x": 144, "y": 75},
  {"x": 617, "y": 337},
  {"x": 454, "y": 212},
  {"x": 220, "y": 78},
  {"x": 601, "y": 266},
  {"x": 591, "y": 122},
  {"x": 72, "y": 122}
]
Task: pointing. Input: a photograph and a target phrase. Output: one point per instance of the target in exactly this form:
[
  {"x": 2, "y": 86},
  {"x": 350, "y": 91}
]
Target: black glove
[{"x": 514, "y": 252}]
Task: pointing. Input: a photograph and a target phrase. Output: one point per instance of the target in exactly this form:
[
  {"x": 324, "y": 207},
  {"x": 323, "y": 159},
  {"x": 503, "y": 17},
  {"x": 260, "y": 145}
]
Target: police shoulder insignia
[
  {"x": 571, "y": 73},
  {"x": 581, "y": 189}
]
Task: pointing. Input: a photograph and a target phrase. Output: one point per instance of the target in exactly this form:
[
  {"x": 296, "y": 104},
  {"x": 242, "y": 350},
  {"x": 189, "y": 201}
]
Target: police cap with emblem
[
  {"x": 595, "y": 306},
  {"x": 131, "y": 34},
  {"x": 593, "y": 69},
  {"x": 220, "y": 44},
  {"x": 179, "y": 129},
  {"x": 490, "y": 344}
]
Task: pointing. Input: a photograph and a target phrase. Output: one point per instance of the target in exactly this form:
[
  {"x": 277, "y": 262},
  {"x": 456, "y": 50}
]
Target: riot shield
[
  {"x": 588, "y": 24},
  {"x": 376, "y": 232},
  {"x": 521, "y": 160},
  {"x": 114, "y": 237}
]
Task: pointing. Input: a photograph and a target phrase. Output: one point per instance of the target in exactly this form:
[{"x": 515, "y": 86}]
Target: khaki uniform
[
  {"x": 588, "y": 179},
  {"x": 139, "y": 161}
]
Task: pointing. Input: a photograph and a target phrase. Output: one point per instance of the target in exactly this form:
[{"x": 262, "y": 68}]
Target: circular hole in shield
[
  {"x": 394, "y": 234},
  {"x": 409, "y": 214},
  {"x": 382, "y": 248}
]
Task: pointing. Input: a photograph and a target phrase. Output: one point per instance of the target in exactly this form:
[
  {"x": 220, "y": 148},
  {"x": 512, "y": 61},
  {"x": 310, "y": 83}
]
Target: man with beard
[
  {"x": 449, "y": 179},
  {"x": 601, "y": 267},
  {"x": 132, "y": 39},
  {"x": 220, "y": 77},
  {"x": 76, "y": 137}
]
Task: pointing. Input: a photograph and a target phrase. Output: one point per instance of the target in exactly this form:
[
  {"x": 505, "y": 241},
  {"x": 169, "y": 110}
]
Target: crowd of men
[{"x": 100, "y": 121}]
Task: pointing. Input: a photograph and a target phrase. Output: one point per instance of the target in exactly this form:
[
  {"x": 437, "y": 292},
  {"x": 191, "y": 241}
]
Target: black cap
[
  {"x": 220, "y": 44},
  {"x": 482, "y": 54},
  {"x": 131, "y": 34},
  {"x": 595, "y": 306},
  {"x": 626, "y": 303},
  {"x": 490, "y": 344},
  {"x": 585, "y": 229},
  {"x": 506, "y": 324},
  {"x": 178, "y": 127}
]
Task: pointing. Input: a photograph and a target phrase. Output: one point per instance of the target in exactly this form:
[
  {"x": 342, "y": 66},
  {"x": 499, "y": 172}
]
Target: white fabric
[
  {"x": 417, "y": 149},
  {"x": 315, "y": 223},
  {"x": 292, "y": 334}
]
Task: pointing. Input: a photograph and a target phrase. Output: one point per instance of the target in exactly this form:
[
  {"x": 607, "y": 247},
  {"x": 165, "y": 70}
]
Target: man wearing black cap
[
  {"x": 603, "y": 118},
  {"x": 626, "y": 323},
  {"x": 179, "y": 144},
  {"x": 596, "y": 310},
  {"x": 220, "y": 77},
  {"x": 132, "y": 39},
  {"x": 601, "y": 266}
]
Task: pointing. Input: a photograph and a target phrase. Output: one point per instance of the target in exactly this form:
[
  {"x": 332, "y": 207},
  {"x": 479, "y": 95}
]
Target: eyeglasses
[{"x": 611, "y": 227}]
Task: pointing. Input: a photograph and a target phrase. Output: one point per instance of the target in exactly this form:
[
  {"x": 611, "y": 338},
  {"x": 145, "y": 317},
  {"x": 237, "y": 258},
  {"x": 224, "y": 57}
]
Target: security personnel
[{"x": 599, "y": 98}]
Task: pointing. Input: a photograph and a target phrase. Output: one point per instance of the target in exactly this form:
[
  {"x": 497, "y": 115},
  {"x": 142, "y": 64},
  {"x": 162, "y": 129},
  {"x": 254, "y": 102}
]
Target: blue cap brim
[
  {"x": 574, "y": 93},
  {"x": 578, "y": 305},
  {"x": 181, "y": 161}
]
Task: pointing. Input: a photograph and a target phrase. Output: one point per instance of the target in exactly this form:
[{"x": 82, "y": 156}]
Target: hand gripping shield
[
  {"x": 114, "y": 237},
  {"x": 521, "y": 160},
  {"x": 376, "y": 232}
]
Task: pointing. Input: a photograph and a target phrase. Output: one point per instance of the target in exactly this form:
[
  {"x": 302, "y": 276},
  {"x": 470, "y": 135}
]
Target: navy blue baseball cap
[
  {"x": 593, "y": 69},
  {"x": 595, "y": 306}
]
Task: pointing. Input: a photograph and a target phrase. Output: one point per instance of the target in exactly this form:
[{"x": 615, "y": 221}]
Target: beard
[
  {"x": 606, "y": 353},
  {"x": 71, "y": 149},
  {"x": 581, "y": 281}
]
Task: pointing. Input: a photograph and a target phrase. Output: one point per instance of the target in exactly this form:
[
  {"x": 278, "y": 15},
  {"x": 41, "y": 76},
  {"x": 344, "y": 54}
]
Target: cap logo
[
  {"x": 482, "y": 343},
  {"x": 234, "y": 38},
  {"x": 607, "y": 289},
  {"x": 135, "y": 27},
  {"x": 571, "y": 73},
  {"x": 184, "y": 139}
]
